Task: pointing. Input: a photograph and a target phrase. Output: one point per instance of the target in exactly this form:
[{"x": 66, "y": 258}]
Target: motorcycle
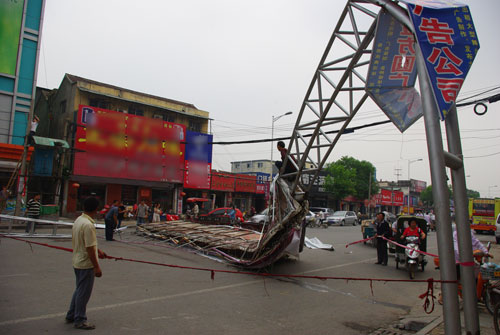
[{"x": 410, "y": 256}]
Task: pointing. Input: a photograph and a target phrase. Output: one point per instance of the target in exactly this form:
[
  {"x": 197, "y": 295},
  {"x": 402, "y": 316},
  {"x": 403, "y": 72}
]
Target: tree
[
  {"x": 427, "y": 198},
  {"x": 473, "y": 194},
  {"x": 349, "y": 176},
  {"x": 339, "y": 181}
]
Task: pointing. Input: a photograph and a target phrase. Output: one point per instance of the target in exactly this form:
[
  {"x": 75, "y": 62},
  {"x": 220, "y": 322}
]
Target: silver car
[
  {"x": 342, "y": 218},
  {"x": 261, "y": 217}
]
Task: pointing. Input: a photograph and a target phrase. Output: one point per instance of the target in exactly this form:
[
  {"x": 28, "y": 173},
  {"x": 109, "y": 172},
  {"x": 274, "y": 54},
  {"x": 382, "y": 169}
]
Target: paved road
[{"x": 36, "y": 285}]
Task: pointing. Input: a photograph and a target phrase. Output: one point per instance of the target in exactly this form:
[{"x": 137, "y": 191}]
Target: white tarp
[{"x": 315, "y": 243}]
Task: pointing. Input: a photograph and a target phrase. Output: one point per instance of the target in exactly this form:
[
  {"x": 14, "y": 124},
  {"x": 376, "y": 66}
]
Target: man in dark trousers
[
  {"x": 111, "y": 220},
  {"x": 384, "y": 230},
  {"x": 85, "y": 263}
]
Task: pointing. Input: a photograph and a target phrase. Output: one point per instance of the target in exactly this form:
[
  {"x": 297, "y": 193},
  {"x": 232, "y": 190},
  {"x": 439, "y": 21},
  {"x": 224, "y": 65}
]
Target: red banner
[
  {"x": 386, "y": 197},
  {"x": 118, "y": 145},
  {"x": 245, "y": 183},
  {"x": 398, "y": 198},
  {"x": 222, "y": 182}
]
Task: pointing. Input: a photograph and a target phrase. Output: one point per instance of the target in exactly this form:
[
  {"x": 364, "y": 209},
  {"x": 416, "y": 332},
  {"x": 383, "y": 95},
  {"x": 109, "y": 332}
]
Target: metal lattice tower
[{"x": 336, "y": 92}]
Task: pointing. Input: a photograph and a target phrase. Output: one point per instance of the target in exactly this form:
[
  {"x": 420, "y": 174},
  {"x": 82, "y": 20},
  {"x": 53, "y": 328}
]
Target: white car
[{"x": 261, "y": 217}]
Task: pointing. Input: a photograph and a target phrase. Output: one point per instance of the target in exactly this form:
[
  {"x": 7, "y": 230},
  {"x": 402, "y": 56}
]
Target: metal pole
[
  {"x": 462, "y": 225},
  {"x": 440, "y": 193}
]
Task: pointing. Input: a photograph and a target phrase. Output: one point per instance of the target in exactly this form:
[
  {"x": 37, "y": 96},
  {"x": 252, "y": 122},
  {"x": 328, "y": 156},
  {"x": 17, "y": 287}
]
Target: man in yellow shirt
[{"x": 85, "y": 263}]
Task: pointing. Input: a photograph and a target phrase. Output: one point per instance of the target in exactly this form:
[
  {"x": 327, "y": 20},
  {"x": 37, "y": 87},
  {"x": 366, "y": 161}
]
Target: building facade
[
  {"x": 20, "y": 36},
  {"x": 125, "y": 145}
]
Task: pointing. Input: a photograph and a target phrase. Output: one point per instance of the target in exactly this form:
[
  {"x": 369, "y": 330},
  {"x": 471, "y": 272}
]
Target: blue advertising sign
[
  {"x": 198, "y": 147},
  {"x": 448, "y": 40},
  {"x": 392, "y": 73}
]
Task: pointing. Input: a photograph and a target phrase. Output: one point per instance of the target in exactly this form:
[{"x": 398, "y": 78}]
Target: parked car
[
  {"x": 342, "y": 218},
  {"x": 261, "y": 217},
  {"x": 220, "y": 215}
]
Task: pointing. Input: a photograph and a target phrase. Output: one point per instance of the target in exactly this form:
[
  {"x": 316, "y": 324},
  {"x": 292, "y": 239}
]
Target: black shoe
[
  {"x": 384, "y": 264},
  {"x": 69, "y": 320}
]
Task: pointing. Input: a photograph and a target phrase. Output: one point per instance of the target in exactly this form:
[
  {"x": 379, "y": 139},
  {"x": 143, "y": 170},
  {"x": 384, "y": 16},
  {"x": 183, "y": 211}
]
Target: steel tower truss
[{"x": 336, "y": 92}]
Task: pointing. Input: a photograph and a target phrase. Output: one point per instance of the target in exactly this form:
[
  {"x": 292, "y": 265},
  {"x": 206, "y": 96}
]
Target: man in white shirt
[{"x": 85, "y": 264}]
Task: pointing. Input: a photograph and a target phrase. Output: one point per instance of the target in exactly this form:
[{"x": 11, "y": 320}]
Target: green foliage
[
  {"x": 426, "y": 195},
  {"x": 349, "y": 176},
  {"x": 473, "y": 194}
]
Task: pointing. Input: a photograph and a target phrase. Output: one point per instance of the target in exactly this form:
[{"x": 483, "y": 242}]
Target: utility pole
[
  {"x": 369, "y": 195},
  {"x": 22, "y": 174}
]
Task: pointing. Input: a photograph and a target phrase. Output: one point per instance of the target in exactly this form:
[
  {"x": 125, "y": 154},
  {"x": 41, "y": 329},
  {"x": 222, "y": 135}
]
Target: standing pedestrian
[
  {"x": 157, "y": 213},
  {"x": 85, "y": 263},
  {"x": 196, "y": 210},
  {"x": 33, "y": 212},
  {"x": 142, "y": 213},
  {"x": 111, "y": 220},
  {"x": 122, "y": 211},
  {"x": 383, "y": 230},
  {"x": 4, "y": 196}
]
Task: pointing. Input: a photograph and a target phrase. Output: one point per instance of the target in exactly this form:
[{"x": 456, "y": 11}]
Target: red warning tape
[{"x": 427, "y": 294}]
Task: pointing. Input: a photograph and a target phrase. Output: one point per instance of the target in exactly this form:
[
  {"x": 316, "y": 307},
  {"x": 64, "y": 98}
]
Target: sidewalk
[{"x": 418, "y": 322}]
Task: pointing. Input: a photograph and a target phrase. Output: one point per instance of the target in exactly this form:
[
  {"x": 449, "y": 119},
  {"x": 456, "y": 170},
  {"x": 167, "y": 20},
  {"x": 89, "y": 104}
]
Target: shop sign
[
  {"x": 245, "y": 183},
  {"x": 222, "y": 182}
]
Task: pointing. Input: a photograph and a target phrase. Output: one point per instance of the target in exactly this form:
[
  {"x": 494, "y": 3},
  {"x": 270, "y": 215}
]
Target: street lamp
[
  {"x": 489, "y": 190},
  {"x": 410, "y": 161},
  {"x": 275, "y": 118}
]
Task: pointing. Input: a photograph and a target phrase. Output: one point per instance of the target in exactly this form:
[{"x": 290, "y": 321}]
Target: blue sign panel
[
  {"x": 449, "y": 44},
  {"x": 198, "y": 147},
  {"x": 392, "y": 73}
]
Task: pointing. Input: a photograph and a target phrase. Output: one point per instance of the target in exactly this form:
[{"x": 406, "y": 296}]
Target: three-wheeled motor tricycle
[{"x": 410, "y": 257}]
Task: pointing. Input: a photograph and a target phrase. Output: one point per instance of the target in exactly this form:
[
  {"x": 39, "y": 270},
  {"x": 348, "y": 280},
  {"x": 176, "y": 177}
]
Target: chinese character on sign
[
  {"x": 437, "y": 32},
  {"x": 448, "y": 63},
  {"x": 449, "y": 88}
]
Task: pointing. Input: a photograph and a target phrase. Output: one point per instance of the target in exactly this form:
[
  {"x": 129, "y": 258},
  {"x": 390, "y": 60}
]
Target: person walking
[
  {"x": 196, "y": 210},
  {"x": 142, "y": 213},
  {"x": 383, "y": 230},
  {"x": 85, "y": 264},
  {"x": 33, "y": 208},
  {"x": 111, "y": 220}
]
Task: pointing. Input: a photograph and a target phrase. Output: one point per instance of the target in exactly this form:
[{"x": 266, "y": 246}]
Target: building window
[
  {"x": 248, "y": 165},
  {"x": 169, "y": 118},
  {"x": 158, "y": 116},
  {"x": 99, "y": 103},
  {"x": 135, "y": 111},
  {"x": 260, "y": 165},
  {"x": 237, "y": 165},
  {"x": 63, "y": 106},
  {"x": 194, "y": 126}
]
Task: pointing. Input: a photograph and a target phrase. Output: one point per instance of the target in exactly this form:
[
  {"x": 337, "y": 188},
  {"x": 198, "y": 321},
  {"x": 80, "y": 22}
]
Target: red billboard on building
[
  {"x": 245, "y": 183},
  {"x": 386, "y": 197},
  {"x": 117, "y": 145},
  {"x": 398, "y": 198},
  {"x": 222, "y": 182}
]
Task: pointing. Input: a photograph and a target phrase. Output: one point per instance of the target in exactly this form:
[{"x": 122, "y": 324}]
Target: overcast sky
[{"x": 245, "y": 61}]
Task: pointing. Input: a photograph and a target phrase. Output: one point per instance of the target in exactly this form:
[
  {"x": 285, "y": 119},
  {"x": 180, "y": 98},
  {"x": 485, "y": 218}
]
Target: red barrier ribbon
[{"x": 363, "y": 240}]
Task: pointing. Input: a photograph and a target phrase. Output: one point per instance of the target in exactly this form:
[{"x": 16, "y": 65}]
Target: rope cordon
[{"x": 428, "y": 294}]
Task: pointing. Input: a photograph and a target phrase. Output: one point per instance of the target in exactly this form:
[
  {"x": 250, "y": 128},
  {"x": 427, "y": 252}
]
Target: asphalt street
[{"x": 37, "y": 282}]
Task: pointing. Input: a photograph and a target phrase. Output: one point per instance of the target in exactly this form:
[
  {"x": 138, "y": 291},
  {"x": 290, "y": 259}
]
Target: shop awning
[{"x": 50, "y": 142}]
